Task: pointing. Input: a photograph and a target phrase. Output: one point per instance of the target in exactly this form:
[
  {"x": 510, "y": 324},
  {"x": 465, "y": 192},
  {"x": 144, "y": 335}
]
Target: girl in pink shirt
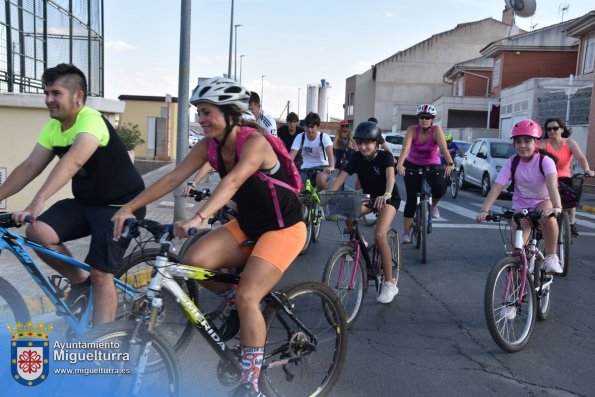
[{"x": 533, "y": 190}]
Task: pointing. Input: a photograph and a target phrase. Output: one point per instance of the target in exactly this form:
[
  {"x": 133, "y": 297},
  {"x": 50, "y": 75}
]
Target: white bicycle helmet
[
  {"x": 248, "y": 116},
  {"x": 426, "y": 109},
  {"x": 221, "y": 91}
]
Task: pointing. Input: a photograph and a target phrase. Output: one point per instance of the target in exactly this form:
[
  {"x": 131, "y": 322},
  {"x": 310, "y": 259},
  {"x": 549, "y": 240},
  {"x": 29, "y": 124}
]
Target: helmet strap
[{"x": 228, "y": 128}]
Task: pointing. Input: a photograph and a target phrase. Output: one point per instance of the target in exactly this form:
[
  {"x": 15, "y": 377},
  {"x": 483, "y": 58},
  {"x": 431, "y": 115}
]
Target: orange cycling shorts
[{"x": 278, "y": 247}]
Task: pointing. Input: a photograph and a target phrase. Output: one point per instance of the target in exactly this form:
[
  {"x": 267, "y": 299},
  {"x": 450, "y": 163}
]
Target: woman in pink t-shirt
[{"x": 533, "y": 189}]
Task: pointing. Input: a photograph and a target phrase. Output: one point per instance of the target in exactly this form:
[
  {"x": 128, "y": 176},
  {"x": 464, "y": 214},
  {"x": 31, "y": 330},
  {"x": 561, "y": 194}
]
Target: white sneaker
[
  {"x": 388, "y": 292},
  {"x": 435, "y": 212},
  {"x": 406, "y": 239},
  {"x": 552, "y": 264}
]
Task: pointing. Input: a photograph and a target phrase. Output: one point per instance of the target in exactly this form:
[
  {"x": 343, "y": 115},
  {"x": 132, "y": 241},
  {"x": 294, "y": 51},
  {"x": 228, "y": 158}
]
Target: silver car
[
  {"x": 483, "y": 161},
  {"x": 394, "y": 142}
]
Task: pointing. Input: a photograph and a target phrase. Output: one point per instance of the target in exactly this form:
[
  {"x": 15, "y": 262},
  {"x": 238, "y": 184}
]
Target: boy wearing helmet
[
  {"x": 376, "y": 170},
  {"x": 220, "y": 103},
  {"x": 533, "y": 189}
]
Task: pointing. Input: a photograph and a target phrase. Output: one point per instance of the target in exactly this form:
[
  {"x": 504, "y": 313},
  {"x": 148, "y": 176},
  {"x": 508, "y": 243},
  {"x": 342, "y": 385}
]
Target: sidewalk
[{"x": 161, "y": 210}]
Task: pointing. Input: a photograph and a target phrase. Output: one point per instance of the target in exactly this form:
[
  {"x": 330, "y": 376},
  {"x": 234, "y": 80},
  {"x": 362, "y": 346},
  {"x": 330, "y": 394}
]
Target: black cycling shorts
[{"x": 72, "y": 220}]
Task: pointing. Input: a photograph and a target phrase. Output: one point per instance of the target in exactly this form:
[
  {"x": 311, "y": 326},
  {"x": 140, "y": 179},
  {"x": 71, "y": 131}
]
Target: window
[
  {"x": 496, "y": 74},
  {"x": 589, "y": 59}
]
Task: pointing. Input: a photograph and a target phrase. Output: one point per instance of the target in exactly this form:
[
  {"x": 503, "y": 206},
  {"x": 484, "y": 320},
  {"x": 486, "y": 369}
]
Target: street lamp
[
  {"x": 241, "y": 59},
  {"x": 230, "y": 42},
  {"x": 235, "y": 64},
  {"x": 298, "y": 101},
  {"x": 261, "y": 89}
]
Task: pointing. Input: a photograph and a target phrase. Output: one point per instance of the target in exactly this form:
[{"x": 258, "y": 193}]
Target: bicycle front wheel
[
  {"x": 135, "y": 376},
  {"x": 306, "y": 345},
  {"x": 191, "y": 240},
  {"x": 316, "y": 222},
  {"x": 564, "y": 242},
  {"x": 173, "y": 324},
  {"x": 423, "y": 231},
  {"x": 338, "y": 273},
  {"x": 509, "y": 308},
  {"x": 13, "y": 308},
  {"x": 308, "y": 222},
  {"x": 454, "y": 185},
  {"x": 415, "y": 228}
]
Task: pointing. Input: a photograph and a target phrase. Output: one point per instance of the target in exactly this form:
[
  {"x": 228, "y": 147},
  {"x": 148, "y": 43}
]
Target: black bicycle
[{"x": 306, "y": 338}]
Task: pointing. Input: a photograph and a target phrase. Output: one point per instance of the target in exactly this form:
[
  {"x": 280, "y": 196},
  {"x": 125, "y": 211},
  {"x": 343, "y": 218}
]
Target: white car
[
  {"x": 394, "y": 140},
  {"x": 194, "y": 137}
]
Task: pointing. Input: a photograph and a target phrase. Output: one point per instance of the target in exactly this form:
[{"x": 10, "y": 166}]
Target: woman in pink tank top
[
  {"x": 420, "y": 150},
  {"x": 557, "y": 141}
]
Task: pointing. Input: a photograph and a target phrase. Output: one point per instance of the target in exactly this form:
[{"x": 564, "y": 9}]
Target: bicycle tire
[
  {"x": 292, "y": 360},
  {"x": 543, "y": 294},
  {"x": 316, "y": 222},
  {"x": 136, "y": 269},
  {"x": 191, "y": 241},
  {"x": 395, "y": 249},
  {"x": 423, "y": 232},
  {"x": 161, "y": 377},
  {"x": 351, "y": 299},
  {"x": 564, "y": 242},
  {"x": 13, "y": 308},
  {"x": 415, "y": 231},
  {"x": 377, "y": 273},
  {"x": 510, "y": 325},
  {"x": 308, "y": 241},
  {"x": 454, "y": 185}
]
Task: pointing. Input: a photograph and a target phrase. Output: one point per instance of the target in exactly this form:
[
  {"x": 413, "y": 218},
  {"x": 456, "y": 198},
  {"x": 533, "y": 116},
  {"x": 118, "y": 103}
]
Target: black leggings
[{"x": 435, "y": 179}]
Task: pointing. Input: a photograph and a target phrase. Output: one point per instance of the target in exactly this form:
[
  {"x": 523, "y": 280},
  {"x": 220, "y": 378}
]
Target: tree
[{"x": 130, "y": 134}]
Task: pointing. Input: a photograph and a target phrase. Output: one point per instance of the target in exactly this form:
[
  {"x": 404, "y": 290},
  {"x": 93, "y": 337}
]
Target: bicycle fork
[{"x": 354, "y": 269}]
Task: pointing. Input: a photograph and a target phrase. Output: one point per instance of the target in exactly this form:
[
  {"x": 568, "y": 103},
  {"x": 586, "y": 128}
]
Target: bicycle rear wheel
[
  {"x": 564, "y": 242},
  {"x": 173, "y": 324},
  {"x": 337, "y": 275},
  {"x": 12, "y": 306},
  {"x": 190, "y": 241},
  {"x": 306, "y": 346},
  {"x": 510, "y": 323},
  {"x": 152, "y": 368}
]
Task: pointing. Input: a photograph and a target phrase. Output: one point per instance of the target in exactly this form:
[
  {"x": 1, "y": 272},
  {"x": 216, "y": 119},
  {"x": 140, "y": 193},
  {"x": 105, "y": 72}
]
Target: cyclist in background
[
  {"x": 92, "y": 155},
  {"x": 557, "y": 141},
  {"x": 264, "y": 120},
  {"x": 534, "y": 189},
  {"x": 220, "y": 103},
  {"x": 316, "y": 149},
  {"x": 343, "y": 145},
  {"x": 420, "y": 149},
  {"x": 375, "y": 169},
  {"x": 453, "y": 149}
]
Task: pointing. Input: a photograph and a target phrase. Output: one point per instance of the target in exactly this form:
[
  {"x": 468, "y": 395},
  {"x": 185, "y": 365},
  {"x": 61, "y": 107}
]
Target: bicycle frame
[
  {"x": 16, "y": 244},
  {"x": 360, "y": 249}
]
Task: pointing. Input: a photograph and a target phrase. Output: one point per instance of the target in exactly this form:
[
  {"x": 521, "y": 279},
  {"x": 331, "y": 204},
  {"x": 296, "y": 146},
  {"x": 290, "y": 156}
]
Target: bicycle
[
  {"x": 305, "y": 326},
  {"x": 422, "y": 219},
  {"x": 13, "y": 308},
  {"x": 564, "y": 235},
  {"x": 312, "y": 210},
  {"x": 453, "y": 181},
  {"x": 517, "y": 289},
  {"x": 350, "y": 268}
]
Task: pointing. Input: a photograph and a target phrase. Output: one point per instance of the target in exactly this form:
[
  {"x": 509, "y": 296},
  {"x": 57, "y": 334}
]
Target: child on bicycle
[
  {"x": 535, "y": 188},
  {"x": 376, "y": 170},
  {"x": 316, "y": 149},
  {"x": 220, "y": 103}
]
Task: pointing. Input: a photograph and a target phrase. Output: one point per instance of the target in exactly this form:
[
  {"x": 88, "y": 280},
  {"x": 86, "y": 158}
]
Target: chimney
[{"x": 508, "y": 16}]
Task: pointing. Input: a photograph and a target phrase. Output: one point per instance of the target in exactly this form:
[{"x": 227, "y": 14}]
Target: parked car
[
  {"x": 483, "y": 161},
  {"x": 394, "y": 140},
  {"x": 194, "y": 137}
]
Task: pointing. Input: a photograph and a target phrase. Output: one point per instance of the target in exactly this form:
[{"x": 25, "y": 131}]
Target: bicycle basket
[{"x": 345, "y": 205}]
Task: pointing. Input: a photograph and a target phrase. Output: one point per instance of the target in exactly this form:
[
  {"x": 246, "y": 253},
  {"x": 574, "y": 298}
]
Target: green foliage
[{"x": 130, "y": 135}]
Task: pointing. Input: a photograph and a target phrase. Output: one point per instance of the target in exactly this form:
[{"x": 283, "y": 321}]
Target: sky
[{"x": 292, "y": 43}]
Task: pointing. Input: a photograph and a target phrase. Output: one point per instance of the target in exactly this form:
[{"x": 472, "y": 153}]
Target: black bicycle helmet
[{"x": 367, "y": 130}]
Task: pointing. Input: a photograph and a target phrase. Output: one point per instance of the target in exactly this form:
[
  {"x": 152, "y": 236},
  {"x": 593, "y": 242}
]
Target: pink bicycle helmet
[
  {"x": 344, "y": 123},
  {"x": 526, "y": 127}
]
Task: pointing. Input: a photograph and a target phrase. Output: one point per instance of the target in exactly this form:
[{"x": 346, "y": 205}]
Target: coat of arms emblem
[{"x": 30, "y": 358}]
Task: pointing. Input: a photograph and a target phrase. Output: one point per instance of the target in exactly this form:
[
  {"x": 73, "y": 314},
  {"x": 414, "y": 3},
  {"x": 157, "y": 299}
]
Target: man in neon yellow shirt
[{"x": 103, "y": 179}]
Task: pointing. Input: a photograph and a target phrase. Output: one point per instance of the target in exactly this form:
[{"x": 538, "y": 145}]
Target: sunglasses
[
  {"x": 553, "y": 128},
  {"x": 425, "y": 117}
]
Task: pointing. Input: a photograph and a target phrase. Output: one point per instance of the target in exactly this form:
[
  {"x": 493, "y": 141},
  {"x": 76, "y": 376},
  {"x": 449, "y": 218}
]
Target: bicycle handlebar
[
  {"x": 507, "y": 213},
  {"x": 7, "y": 222},
  {"x": 158, "y": 230}
]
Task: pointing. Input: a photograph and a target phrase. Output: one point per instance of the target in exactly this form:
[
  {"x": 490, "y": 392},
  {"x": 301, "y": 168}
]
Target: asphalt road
[{"x": 433, "y": 339}]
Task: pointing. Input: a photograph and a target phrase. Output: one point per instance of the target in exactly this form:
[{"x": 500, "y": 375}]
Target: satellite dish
[{"x": 522, "y": 8}]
